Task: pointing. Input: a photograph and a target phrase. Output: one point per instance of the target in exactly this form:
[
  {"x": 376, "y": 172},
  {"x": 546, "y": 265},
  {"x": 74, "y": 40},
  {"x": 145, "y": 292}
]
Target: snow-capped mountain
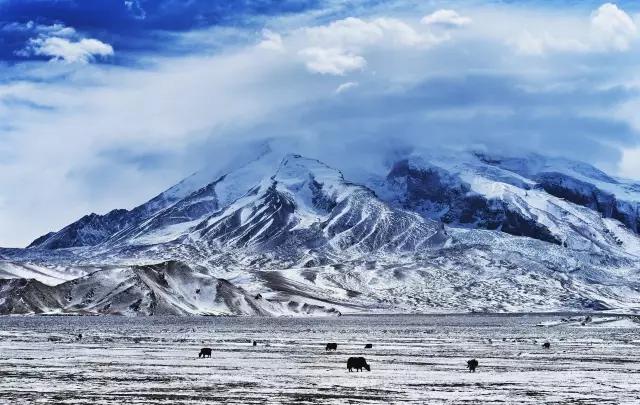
[
  {"x": 553, "y": 200},
  {"x": 424, "y": 231}
]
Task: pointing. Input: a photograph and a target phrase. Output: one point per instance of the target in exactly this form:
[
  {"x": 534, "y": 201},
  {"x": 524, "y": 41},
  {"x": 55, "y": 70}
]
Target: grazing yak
[
  {"x": 255, "y": 343},
  {"x": 368, "y": 346},
  {"x": 358, "y": 363},
  {"x": 472, "y": 365},
  {"x": 205, "y": 352},
  {"x": 331, "y": 346},
  {"x": 546, "y": 345}
]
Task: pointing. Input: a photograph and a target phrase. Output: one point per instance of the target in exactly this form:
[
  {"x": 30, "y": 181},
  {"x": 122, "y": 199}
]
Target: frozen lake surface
[{"x": 414, "y": 359}]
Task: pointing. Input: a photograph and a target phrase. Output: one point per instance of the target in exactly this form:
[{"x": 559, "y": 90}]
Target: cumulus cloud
[
  {"x": 332, "y": 61},
  {"x": 608, "y": 29},
  {"x": 82, "y": 51},
  {"x": 59, "y": 42},
  {"x": 339, "y": 47},
  {"x": 356, "y": 32},
  {"x": 446, "y": 18},
  {"x": 613, "y": 28}
]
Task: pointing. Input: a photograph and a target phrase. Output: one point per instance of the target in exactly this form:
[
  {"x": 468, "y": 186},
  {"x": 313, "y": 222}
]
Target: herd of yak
[{"x": 359, "y": 363}]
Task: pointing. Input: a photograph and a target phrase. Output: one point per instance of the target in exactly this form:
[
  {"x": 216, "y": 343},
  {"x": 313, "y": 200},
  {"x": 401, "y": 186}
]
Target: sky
[{"x": 105, "y": 103}]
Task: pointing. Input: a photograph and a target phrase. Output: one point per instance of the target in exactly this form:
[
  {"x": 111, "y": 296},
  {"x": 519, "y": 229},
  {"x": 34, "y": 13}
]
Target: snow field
[{"x": 415, "y": 359}]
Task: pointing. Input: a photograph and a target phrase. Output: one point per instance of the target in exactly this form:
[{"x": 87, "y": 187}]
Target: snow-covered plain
[{"x": 415, "y": 359}]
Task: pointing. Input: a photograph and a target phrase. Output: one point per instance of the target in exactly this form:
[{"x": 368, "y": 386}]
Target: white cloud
[
  {"x": 271, "y": 41},
  {"x": 629, "y": 165},
  {"x": 530, "y": 44},
  {"x": 82, "y": 51},
  {"x": 609, "y": 29},
  {"x": 403, "y": 34},
  {"x": 58, "y": 30},
  {"x": 613, "y": 28},
  {"x": 340, "y": 46},
  {"x": 59, "y": 42},
  {"x": 135, "y": 8},
  {"x": 345, "y": 87},
  {"x": 354, "y": 32},
  {"x": 332, "y": 61},
  {"x": 446, "y": 18},
  {"x": 348, "y": 32}
]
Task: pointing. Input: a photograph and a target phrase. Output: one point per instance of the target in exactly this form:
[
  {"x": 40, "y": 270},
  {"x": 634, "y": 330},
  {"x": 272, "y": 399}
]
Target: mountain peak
[{"x": 296, "y": 168}]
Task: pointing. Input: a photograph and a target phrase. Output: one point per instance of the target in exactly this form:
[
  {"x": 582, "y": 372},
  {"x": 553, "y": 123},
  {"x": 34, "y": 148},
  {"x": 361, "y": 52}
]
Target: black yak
[
  {"x": 472, "y": 365},
  {"x": 368, "y": 346},
  {"x": 255, "y": 343},
  {"x": 331, "y": 346},
  {"x": 205, "y": 352},
  {"x": 358, "y": 363},
  {"x": 546, "y": 345}
]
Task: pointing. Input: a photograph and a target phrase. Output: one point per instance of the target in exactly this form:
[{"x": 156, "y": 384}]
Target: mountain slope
[
  {"x": 193, "y": 196},
  {"x": 47, "y": 273},
  {"x": 467, "y": 191},
  {"x": 170, "y": 288},
  {"x": 305, "y": 206}
]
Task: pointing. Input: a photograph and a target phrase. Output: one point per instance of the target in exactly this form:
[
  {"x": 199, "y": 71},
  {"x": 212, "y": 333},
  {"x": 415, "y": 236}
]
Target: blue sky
[{"x": 105, "y": 103}]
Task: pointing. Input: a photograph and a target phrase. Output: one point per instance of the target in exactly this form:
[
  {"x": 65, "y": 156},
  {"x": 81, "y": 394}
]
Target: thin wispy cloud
[{"x": 346, "y": 87}]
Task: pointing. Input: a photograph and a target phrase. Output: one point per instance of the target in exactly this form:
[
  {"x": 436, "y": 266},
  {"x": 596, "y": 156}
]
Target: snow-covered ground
[
  {"x": 47, "y": 274},
  {"x": 415, "y": 359}
]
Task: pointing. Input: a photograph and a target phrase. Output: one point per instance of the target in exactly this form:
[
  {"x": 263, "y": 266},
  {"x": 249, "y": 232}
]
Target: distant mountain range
[{"x": 279, "y": 233}]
